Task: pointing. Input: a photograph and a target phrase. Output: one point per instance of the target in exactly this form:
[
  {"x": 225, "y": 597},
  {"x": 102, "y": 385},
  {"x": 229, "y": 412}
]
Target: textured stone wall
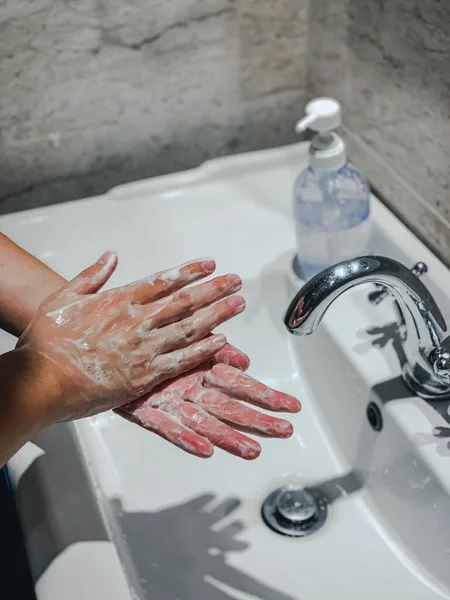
[
  {"x": 100, "y": 92},
  {"x": 388, "y": 62}
]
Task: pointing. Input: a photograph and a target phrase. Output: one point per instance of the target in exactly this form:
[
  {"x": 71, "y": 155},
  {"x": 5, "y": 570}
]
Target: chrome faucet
[{"x": 426, "y": 345}]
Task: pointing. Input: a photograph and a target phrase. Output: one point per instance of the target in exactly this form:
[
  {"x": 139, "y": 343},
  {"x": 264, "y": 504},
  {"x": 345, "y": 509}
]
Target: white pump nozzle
[
  {"x": 326, "y": 150},
  {"x": 322, "y": 114}
]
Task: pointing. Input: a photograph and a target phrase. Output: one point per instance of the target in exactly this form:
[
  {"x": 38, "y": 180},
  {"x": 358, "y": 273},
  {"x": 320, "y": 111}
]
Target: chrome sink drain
[{"x": 295, "y": 511}]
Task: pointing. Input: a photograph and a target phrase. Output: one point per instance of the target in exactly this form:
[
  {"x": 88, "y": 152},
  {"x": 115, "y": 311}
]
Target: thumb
[{"x": 94, "y": 277}]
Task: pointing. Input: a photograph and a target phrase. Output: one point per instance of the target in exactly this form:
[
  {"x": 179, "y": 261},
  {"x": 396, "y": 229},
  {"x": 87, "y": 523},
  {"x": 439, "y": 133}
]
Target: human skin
[{"x": 163, "y": 370}]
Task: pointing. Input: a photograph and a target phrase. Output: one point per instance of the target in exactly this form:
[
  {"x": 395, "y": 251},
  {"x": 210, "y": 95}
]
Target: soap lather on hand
[
  {"x": 201, "y": 409},
  {"x": 108, "y": 348},
  {"x": 144, "y": 349}
]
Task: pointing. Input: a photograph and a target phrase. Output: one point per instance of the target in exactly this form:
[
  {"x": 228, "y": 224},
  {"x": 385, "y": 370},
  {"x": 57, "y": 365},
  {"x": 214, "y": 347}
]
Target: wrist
[{"x": 31, "y": 389}]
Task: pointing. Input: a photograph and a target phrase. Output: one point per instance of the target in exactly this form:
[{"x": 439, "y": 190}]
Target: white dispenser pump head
[
  {"x": 322, "y": 114},
  {"x": 327, "y": 150}
]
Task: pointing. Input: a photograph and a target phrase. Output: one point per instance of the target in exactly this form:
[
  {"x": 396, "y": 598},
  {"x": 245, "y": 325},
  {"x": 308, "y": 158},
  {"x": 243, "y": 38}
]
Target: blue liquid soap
[
  {"x": 332, "y": 218},
  {"x": 331, "y": 197}
]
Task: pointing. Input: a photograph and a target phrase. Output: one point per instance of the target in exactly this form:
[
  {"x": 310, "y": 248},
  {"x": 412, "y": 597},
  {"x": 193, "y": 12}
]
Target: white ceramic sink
[{"x": 121, "y": 513}]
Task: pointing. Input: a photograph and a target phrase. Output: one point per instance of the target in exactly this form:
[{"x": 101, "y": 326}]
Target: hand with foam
[
  {"x": 201, "y": 409},
  {"x": 101, "y": 350}
]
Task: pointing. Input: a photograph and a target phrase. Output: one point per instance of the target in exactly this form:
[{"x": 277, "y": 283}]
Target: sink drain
[{"x": 295, "y": 511}]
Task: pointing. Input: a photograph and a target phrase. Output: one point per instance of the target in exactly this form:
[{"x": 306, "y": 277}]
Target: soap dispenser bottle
[{"x": 331, "y": 197}]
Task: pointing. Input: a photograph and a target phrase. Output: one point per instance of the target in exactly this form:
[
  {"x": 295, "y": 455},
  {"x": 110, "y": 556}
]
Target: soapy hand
[
  {"x": 200, "y": 409},
  {"x": 109, "y": 348}
]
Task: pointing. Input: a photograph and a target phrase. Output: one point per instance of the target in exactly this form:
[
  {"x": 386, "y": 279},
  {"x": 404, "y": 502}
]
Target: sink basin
[{"x": 114, "y": 511}]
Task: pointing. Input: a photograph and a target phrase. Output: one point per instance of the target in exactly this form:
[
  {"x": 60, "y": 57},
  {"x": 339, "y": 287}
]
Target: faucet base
[{"x": 420, "y": 384}]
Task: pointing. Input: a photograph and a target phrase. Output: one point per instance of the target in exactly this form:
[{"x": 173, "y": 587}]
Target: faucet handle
[
  {"x": 379, "y": 294},
  {"x": 419, "y": 269},
  {"x": 440, "y": 359}
]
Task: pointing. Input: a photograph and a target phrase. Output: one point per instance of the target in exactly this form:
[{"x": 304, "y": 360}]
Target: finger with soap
[
  {"x": 203, "y": 408},
  {"x": 82, "y": 351},
  {"x": 110, "y": 347}
]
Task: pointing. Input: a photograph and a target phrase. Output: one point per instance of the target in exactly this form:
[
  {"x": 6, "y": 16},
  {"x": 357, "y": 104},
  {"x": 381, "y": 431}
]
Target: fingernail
[
  {"x": 291, "y": 404},
  {"x": 204, "y": 448},
  {"x": 200, "y": 447},
  {"x": 251, "y": 450},
  {"x": 235, "y": 282},
  {"x": 105, "y": 257},
  {"x": 284, "y": 428},
  {"x": 208, "y": 264},
  {"x": 219, "y": 340},
  {"x": 237, "y": 303}
]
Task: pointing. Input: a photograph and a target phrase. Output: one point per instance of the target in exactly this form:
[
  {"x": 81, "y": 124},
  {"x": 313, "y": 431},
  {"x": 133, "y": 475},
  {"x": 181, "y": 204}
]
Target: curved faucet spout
[{"x": 424, "y": 322}]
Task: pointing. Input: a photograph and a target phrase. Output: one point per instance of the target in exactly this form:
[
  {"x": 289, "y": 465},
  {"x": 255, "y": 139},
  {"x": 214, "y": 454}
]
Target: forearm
[
  {"x": 24, "y": 282},
  {"x": 26, "y": 388}
]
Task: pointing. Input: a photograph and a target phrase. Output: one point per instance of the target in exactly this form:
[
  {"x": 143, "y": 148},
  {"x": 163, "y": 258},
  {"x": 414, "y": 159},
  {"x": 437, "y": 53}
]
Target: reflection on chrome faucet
[
  {"x": 426, "y": 369},
  {"x": 380, "y": 293}
]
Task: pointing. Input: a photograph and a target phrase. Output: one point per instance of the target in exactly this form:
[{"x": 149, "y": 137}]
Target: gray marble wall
[
  {"x": 388, "y": 62},
  {"x": 99, "y": 92}
]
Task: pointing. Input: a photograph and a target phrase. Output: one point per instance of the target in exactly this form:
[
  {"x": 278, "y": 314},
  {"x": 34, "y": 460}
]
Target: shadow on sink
[
  {"x": 55, "y": 500},
  {"x": 180, "y": 552},
  {"x": 404, "y": 495},
  {"x": 395, "y": 389}
]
